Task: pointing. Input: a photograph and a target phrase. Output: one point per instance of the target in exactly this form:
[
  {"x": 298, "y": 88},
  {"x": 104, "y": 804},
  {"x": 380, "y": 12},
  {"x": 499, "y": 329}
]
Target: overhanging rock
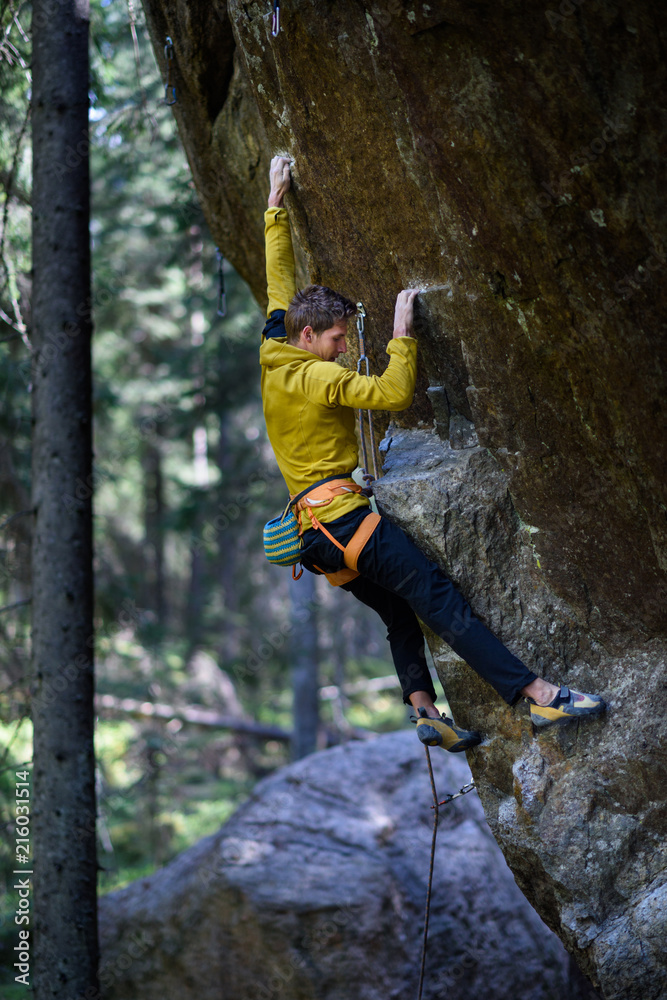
[{"x": 508, "y": 157}]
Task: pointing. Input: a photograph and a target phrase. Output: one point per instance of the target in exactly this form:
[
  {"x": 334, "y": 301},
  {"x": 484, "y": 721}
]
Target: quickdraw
[
  {"x": 363, "y": 361},
  {"x": 470, "y": 787},
  {"x": 275, "y": 21},
  {"x": 169, "y": 85}
]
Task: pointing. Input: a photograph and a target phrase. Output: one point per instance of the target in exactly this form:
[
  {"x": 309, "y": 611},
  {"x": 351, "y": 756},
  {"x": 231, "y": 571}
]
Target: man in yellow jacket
[{"x": 309, "y": 407}]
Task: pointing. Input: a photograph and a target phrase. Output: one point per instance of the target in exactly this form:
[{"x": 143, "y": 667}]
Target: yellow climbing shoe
[
  {"x": 443, "y": 733},
  {"x": 567, "y": 705}
]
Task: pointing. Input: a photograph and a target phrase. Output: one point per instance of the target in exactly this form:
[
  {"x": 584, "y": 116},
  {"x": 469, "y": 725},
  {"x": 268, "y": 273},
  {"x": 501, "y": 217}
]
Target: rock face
[
  {"x": 316, "y": 888},
  {"x": 506, "y": 157},
  {"x": 579, "y": 811}
]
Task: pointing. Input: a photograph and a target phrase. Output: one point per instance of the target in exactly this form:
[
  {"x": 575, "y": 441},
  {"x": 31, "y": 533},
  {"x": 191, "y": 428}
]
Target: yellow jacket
[{"x": 309, "y": 404}]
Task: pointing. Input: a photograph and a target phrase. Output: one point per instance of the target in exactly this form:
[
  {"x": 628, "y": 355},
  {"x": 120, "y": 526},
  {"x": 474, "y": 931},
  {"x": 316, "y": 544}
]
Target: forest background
[{"x": 189, "y": 614}]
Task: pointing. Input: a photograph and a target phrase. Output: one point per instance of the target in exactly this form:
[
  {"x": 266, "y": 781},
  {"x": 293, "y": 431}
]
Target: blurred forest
[{"x": 195, "y": 630}]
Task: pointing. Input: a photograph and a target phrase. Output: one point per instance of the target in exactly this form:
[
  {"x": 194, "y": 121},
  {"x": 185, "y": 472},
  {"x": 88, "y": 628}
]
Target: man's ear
[{"x": 307, "y": 332}]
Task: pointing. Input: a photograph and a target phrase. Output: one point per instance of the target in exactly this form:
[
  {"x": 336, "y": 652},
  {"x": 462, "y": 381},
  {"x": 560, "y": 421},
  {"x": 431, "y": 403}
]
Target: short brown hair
[{"x": 316, "y": 306}]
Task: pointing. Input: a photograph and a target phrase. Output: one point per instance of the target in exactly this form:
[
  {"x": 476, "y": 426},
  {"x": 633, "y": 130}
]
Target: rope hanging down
[
  {"x": 363, "y": 361},
  {"x": 427, "y": 912},
  {"x": 169, "y": 85},
  {"x": 222, "y": 297}
]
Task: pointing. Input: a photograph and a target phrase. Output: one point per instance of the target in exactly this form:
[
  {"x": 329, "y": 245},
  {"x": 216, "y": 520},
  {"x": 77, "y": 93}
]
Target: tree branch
[
  {"x": 12, "y": 517},
  {"x": 189, "y": 713},
  {"x": 16, "y": 604}
]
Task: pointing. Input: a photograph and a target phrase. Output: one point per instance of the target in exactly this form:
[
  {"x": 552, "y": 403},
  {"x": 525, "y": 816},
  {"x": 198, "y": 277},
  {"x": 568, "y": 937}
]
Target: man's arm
[
  {"x": 280, "y": 279},
  {"x": 394, "y": 389}
]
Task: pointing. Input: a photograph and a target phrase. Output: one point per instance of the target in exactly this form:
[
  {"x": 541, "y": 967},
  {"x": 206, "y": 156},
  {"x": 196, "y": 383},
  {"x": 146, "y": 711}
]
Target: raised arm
[{"x": 280, "y": 280}]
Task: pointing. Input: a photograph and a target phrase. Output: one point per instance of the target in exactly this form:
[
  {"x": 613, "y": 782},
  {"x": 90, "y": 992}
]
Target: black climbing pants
[{"x": 399, "y": 582}]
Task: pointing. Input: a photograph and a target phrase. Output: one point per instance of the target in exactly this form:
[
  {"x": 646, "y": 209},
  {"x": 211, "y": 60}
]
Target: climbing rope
[
  {"x": 363, "y": 362},
  {"x": 222, "y": 297},
  {"x": 427, "y": 912},
  {"x": 169, "y": 85}
]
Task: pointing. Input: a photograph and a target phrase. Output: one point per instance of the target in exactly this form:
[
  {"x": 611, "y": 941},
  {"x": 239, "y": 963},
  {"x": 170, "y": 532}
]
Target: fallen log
[{"x": 189, "y": 713}]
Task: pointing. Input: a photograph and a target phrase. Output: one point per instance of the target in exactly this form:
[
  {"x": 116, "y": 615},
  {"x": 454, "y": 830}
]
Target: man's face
[{"x": 329, "y": 344}]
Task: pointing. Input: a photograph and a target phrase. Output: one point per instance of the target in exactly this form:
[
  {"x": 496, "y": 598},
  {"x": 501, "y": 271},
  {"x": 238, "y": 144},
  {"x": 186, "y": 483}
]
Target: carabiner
[
  {"x": 275, "y": 22},
  {"x": 361, "y": 316}
]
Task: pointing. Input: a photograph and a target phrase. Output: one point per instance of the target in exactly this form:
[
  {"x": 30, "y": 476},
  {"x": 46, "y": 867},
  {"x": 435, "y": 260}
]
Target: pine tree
[{"x": 64, "y": 844}]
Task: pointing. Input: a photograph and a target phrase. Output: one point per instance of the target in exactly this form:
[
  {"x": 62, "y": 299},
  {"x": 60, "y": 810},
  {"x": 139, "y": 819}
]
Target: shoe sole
[
  {"x": 430, "y": 737},
  {"x": 541, "y": 722}
]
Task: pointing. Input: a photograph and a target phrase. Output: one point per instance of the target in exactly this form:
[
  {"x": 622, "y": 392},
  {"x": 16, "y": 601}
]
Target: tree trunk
[
  {"x": 305, "y": 662},
  {"x": 65, "y": 865}
]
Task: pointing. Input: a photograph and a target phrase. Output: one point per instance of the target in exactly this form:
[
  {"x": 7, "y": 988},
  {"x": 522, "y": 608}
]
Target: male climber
[{"x": 309, "y": 407}]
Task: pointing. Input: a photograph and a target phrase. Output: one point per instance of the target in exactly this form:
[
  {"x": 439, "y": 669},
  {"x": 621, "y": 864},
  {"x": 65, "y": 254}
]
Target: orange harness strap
[
  {"x": 321, "y": 496},
  {"x": 351, "y": 551},
  {"x": 356, "y": 544}
]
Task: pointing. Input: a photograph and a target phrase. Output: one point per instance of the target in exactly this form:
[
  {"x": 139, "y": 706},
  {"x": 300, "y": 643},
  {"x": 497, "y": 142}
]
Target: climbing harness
[
  {"x": 169, "y": 85},
  {"x": 275, "y": 21},
  {"x": 222, "y": 297},
  {"x": 427, "y": 912},
  {"x": 363, "y": 361},
  {"x": 321, "y": 495},
  {"x": 282, "y": 535}
]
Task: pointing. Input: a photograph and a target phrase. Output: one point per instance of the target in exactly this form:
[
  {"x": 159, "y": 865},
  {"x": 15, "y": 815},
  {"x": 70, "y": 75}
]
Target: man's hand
[
  {"x": 404, "y": 312},
  {"x": 280, "y": 180}
]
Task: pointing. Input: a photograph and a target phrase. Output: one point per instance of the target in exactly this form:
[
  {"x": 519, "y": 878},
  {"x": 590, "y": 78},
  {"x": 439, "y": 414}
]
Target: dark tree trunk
[
  {"x": 304, "y": 655},
  {"x": 65, "y": 866}
]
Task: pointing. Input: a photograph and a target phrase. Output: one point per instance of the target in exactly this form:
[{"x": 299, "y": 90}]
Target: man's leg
[
  {"x": 392, "y": 561},
  {"x": 406, "y": 640},
  {"x": 399, "y": 565}
]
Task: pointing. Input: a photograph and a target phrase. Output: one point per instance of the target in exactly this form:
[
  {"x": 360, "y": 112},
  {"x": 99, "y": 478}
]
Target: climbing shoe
[
  {"x": 567, "y": 705},
  {"x": 443, "y": 733}
]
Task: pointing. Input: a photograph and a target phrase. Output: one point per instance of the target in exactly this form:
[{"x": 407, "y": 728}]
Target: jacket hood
[{"x": 275, "y": 351}]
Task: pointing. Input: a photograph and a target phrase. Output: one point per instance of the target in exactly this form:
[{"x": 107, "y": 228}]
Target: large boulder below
[{"x": 316, "y": 889}]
